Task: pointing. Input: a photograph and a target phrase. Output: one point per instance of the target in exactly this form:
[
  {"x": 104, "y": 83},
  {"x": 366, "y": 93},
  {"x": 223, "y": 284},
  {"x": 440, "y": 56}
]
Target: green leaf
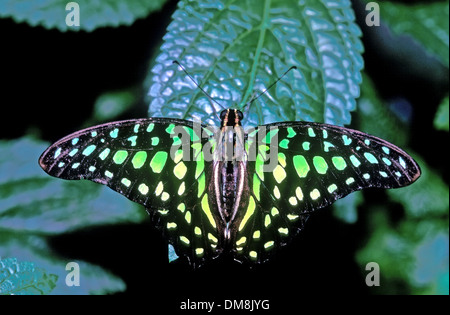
[
  {"x": 24, "y": 278},
  {"x": 34, "y": 247},
  {"x": 434, "y": 271},
  {"x": 346, "y": 209},
  {"x": 236, "y": 49},
  {"x": 93, "y": 14},
  {"x": 31, "y": 200},
  {"x": 427, "y": 23},
  {"x": 34, "y": 206},
  {"x": 373, "y": 112},
  {"x": 112, "y": 104},
  {"x": 413, "y": 255},
  {"x": 442, "y": 115},
  {"x": 398, "y": 247},
  {"x": 429, "y": 196}
]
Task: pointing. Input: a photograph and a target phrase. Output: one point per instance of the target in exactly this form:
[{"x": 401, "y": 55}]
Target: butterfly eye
[
  {"x": 240, "y": 115},
  {"x": 223, "y": 114}
]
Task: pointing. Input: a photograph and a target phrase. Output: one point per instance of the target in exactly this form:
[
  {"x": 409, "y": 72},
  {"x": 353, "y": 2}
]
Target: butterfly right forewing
[{"x": 316, "y": 164}]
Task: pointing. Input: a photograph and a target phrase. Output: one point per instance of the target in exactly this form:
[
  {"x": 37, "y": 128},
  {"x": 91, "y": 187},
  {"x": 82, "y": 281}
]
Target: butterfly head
[{"x": 231, "y": 117}]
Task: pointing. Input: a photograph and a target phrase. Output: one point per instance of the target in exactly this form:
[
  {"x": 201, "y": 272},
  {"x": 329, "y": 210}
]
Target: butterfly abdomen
[{"x": 229, "y": 188}]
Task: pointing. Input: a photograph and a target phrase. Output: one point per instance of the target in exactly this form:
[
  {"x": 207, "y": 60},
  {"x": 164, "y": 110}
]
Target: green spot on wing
[
  {"x": 402, "y": 162},
  {"x": 185, "y": 240},
  {"x": 200, "y": 165},
  {"x": 270, "y": 135},
  {"x": 143, "y": 189},
  {"x": 132, "y": 140},
  {"x": 150, "y": 127},
  {"x": 88, "y": 151},
  {"x": 104, "y": 154},
  {"x": 306, "y": 145},
  {"x": 279, "y": 174},
  {"x": 291, "y": 133},
  {"x": 120, "y": 156},
  {"x": 301, "y": 165},
  {"x": 332, "y": 188},
  {"x": 170, "y": 129},
  {"x": 192, "y": 134},
  {"x": 158, "y": 161},
  {"x": 73, "y": 152},
  {"x": 371, "y": 158},
  {"x": 180, "y": 170},
  {"x": 267, "y": 220},
  {"x": 126, "y": 182},
  {"x": 282, "y": 159},
  {"x": 269, "y": 245},
  {"x": 181, "y": 207},
  {"x": 284, "y": 144},
  {"x": 188, "y": 217},
  {"x": 155, "y": 141},
  {"x": 139, "y": 159},
  {"x": 256, "y": 187},
  {"x": 355, "y": 161},
  {"x": 250, "y": 210},
  {"x": 207, "y": 210},
  {"x": 339, "y": 163},
  {"x": 327, "y": 145},
  {"x": 320, "y": 164},
  {"x": 315, "y": 194},
  {"x": 387, "y": 161},
  {"x": 176, "y": 141},
  {"x": 346, "y": 139},
  {"x": 114, "y": 133},
  {"x": 259, "y": 166},
  {"x": 201, "y": 185}
]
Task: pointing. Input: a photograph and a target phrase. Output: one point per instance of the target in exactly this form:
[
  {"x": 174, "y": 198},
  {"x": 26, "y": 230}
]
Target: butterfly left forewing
[
  {"x": 143, "y": 160},
  {"x": 313, "y": 165}
]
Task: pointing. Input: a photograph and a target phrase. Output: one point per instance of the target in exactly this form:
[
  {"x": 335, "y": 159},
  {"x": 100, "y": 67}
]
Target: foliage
[
  {"x": 427, "y": 23},
  {"x": 94, "y": 14},
  {"x": 35, "y": 207},
  {"x": 441, "y": 120},
  {"x": 24, "y": 278},
  {"x": 237, "y": 48}
]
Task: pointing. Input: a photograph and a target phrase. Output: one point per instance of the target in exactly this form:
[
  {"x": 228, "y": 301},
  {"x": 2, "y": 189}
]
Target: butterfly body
[
  {"x": 229, "y": 175},
  {"x": 226, "y": 190}
]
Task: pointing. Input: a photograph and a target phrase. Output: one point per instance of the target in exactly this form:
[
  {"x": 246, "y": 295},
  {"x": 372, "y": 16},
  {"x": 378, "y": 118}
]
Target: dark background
[{"x": 52, "y": 81}]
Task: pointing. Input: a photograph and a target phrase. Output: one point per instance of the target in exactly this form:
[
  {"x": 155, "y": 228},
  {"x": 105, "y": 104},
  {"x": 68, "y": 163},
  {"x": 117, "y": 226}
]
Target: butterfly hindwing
[
  {"x": 143, "y": 160},
  {"x": 315, "y": 164}
]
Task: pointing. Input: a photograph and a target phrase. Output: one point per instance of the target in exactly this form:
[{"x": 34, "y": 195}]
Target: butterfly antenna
[
  {"x": 201, "y": 89},
  {"x": 270, "y": 86}
]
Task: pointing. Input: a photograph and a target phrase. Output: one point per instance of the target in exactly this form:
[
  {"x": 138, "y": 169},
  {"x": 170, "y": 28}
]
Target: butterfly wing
[
  {"x": 313, "y": 165},
  {"x": 143, "y": 160}
]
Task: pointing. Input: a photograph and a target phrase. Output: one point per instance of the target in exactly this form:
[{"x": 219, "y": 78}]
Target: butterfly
[{"x": 217, "y": 191}]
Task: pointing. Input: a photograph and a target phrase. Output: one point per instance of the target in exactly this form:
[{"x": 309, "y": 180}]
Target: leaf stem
[{"x": 262, "y": 36}]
